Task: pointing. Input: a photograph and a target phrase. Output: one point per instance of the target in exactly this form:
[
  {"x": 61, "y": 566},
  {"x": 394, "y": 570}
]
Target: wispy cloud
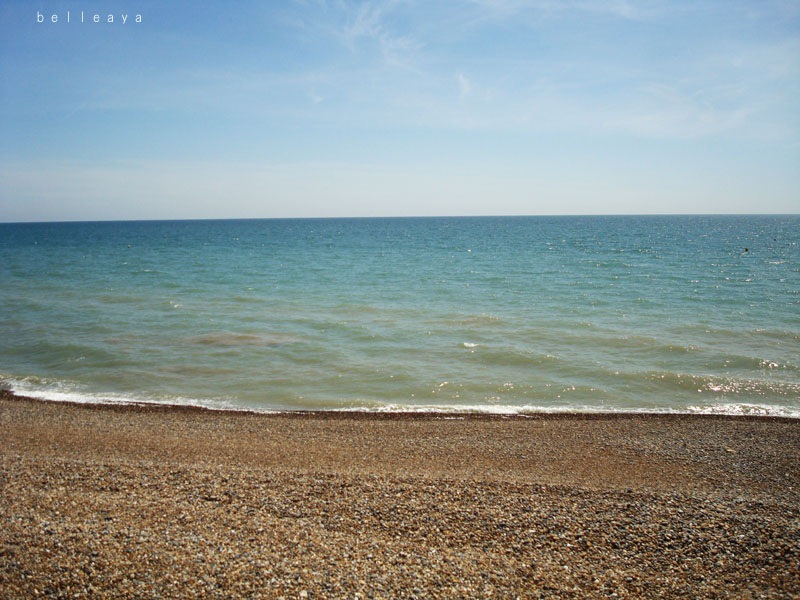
[
  {"x": 365, "y": 29},
  {"x": 743, "y": 87},
  {"x": 536, "y": 11},
  {"x": 464, "y": 85},
  {"x": 664, "y": 111}
]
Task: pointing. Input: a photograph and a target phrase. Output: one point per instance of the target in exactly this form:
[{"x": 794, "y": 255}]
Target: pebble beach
[{"x": 153, "y": 501}]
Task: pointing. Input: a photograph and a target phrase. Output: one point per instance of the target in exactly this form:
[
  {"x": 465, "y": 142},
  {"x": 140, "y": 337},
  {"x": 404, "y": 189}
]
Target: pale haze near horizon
[{"x": 391, "y": 108}]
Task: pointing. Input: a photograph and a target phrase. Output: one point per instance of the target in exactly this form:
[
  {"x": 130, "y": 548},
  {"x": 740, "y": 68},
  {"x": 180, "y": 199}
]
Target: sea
[{"x": 507, "y": 315}]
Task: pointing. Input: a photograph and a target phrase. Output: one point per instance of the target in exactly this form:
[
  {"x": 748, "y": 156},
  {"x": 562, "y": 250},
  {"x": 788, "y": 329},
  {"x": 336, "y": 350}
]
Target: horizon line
[{"x": 367, "y": 217}]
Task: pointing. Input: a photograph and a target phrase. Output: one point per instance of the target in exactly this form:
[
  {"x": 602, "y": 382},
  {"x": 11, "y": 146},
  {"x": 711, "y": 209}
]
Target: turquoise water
[{"x": 506, "y": 314}]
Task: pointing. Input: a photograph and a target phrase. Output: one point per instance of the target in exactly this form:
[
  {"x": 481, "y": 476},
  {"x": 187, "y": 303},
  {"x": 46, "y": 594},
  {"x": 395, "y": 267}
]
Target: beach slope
[{"x": 142, "y": 501}]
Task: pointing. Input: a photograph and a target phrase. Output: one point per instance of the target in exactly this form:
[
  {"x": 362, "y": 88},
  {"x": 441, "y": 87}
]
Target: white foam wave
[
  {"x": 60, "y": 392},
  {"x": 55, "y": 391},
  {"x": 761, "y": 410},
  {"x": 533, "y": 409}
]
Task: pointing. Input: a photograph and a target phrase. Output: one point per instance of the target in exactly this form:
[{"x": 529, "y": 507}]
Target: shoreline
[
  {"x": 134, "y": 406},
  {"x": 182, "y": 501}
]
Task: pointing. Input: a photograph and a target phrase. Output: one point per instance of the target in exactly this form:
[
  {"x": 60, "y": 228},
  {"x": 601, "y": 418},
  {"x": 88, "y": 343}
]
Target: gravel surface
[{"x": 140, "y": 502}]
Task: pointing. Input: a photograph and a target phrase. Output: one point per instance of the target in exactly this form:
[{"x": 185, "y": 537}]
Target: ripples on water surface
[{"x": 502, "y": 314}]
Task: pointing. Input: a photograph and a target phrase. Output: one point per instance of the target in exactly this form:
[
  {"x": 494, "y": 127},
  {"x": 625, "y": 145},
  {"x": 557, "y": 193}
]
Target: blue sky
[{"x": 314, "y": 108}]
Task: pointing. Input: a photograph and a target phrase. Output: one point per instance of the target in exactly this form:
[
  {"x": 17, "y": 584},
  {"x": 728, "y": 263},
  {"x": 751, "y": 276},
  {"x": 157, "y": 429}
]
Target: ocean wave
[
  {"x": 58, "y": 391},
  {"x": 732, "y": 409},
  {"x": 746, "y": 409},
  {"x": 507, "y": 356},
  {"x": 226, "y": 338},
  {"x": 722, "y": 385}
]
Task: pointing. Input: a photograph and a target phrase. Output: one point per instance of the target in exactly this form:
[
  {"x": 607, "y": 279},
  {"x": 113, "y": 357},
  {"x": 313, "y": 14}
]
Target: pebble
[{"x": 343, "y": 514}]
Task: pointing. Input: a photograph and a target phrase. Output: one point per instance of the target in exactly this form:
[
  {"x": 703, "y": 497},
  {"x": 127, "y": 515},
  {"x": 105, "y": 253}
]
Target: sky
[{"x": 314, "y": 108}]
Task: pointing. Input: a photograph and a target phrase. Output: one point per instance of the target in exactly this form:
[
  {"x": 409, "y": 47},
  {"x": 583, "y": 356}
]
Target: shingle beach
[{"x": 170, "y": 502}]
